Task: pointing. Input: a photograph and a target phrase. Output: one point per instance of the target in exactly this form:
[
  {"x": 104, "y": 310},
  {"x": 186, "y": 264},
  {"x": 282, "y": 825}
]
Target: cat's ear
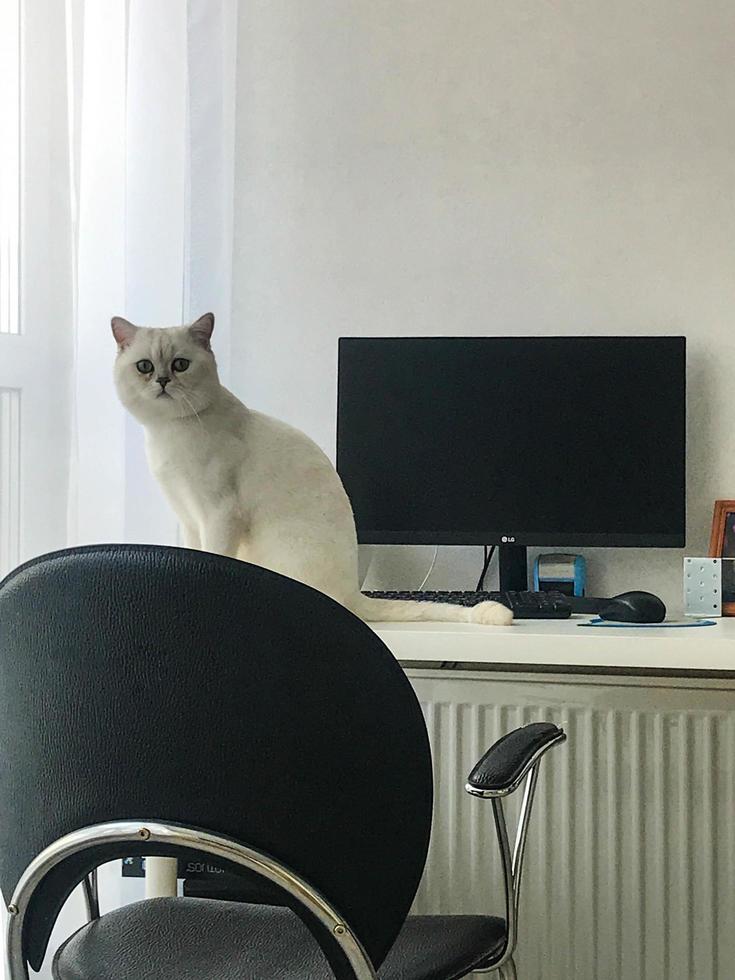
[
  {"x": 123, "y": 331},
  {"x": 201, "y": 330}
]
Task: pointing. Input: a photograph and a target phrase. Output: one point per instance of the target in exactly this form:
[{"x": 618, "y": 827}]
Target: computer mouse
[{"x": 633, "y": 607}]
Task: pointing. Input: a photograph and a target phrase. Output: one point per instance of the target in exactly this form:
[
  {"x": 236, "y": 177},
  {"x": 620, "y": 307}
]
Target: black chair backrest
[{"x": 142, "y": 682}]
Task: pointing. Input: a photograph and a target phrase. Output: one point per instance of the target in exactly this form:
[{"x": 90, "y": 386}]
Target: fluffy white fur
[{"x": 244, "y": 484}]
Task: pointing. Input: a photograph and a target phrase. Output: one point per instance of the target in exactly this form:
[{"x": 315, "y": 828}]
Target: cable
[
  {"x": 431, "y": 569},
  {"x": 488, "y": 558}
]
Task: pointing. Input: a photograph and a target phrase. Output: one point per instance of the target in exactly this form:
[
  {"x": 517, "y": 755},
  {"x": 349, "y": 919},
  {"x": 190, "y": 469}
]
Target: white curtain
[
  {"x": 120, "y": 203},
  {"x": 154, "y": 95}
]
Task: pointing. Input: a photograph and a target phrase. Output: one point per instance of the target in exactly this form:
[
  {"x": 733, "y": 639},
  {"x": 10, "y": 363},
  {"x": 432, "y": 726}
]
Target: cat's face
[{"x": 164, "y": 373}]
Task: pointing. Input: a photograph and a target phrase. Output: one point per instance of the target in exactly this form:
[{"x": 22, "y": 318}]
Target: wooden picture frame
[{"x": 722, "y": 545}]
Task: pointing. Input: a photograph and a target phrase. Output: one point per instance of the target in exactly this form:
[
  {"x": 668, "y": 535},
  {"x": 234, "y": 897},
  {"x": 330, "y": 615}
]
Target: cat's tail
[{"x": 405, "y": 611}]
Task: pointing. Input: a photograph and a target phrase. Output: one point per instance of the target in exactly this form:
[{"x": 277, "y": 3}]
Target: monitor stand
[{"x": 513, "y": 567}]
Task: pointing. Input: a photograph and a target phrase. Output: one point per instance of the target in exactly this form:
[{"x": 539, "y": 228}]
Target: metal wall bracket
[{"x": 703, "y": 586}]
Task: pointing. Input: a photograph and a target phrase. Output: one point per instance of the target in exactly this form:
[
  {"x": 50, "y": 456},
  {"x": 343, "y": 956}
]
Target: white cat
[{"x": 244, "y": 484}]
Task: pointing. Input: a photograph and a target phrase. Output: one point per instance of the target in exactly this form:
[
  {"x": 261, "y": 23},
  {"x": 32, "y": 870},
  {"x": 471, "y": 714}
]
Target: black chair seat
[{"x": 203, "y": 939}]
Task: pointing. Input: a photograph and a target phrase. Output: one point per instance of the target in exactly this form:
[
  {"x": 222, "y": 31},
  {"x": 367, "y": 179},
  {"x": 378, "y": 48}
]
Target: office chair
[{"x": 160, "y": 701}]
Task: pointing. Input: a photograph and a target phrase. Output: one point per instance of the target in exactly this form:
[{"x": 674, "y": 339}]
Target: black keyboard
[{"x": 525, "y": 605}]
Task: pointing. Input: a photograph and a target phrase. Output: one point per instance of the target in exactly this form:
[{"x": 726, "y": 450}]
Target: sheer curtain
[
  {"x": 115, "y": 198},
  {"x": 116, "y": 194},
  {"x": 153, "y": 98}
]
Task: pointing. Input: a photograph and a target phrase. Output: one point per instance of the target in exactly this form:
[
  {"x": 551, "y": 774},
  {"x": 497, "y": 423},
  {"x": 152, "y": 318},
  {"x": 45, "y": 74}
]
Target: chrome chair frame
[
  {"x": 188, "y": 838},
  {"x": 512, "y": 862},
  {"x": 124, "y": 832},
  {"x": 91, "y": 896}
]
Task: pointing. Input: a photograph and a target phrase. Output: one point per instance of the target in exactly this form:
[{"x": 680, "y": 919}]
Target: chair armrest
[{"x": 505, "y": 764}]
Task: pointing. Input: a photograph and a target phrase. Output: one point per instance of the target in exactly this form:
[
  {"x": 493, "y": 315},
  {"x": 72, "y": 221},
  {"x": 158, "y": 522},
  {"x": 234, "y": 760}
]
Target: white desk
[
  {"x": 631, "y": 857},
  {"x": 564, "y": 644}
]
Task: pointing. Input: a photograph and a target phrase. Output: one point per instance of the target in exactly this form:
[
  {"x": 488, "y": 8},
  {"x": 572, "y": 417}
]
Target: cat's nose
[{"x": 163, "y": 382}]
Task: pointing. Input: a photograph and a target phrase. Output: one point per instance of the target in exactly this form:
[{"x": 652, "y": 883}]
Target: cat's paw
[{"x": 491, "y": 614}]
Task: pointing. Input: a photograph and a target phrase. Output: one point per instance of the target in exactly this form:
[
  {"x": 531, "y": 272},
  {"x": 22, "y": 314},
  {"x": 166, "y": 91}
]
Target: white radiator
[{"x": 630, "y": 863}]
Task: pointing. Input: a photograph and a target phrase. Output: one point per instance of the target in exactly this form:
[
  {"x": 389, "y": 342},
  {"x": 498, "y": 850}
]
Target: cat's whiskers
[{"x": 191, "y": 406}]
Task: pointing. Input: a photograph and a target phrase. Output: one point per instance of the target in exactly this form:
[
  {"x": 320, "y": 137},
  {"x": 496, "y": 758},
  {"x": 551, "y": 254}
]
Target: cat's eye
[
  {"x": 180, "y": 364},
  {"x": 145, "y": 366}
]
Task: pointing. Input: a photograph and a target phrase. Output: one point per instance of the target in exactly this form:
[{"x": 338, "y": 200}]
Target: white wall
[{"x": 515, "y": 167}]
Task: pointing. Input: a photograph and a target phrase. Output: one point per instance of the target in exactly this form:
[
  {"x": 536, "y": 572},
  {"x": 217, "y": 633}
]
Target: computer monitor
[{"x": 514, "y": 441}]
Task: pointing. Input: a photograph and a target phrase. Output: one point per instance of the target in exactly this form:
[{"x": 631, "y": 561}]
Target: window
[
  {"x": 9, "y": 163},
  {"x": 9, "y": 278},
  {"x": 35, "y": 282}
]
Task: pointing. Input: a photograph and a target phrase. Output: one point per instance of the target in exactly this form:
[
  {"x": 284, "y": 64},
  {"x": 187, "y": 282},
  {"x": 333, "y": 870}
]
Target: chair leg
[{"x": 508, "y": 971}]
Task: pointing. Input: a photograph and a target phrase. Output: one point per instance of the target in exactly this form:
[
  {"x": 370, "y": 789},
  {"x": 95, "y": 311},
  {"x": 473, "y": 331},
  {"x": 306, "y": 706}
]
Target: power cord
[
  {"x": 488, "y": 555},
  {"x": 431, "y": 569}
]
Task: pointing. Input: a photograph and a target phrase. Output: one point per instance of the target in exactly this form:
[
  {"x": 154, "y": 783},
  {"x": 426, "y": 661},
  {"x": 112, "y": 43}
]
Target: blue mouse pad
[{"x": 670, "y": 624}]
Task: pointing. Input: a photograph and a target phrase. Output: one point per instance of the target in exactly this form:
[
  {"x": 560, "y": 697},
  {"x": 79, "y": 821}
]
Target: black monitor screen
[{"x": 545, "y": 440}]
